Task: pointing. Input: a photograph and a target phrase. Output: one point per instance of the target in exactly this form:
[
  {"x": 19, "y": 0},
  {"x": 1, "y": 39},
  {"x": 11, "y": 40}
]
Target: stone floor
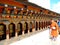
[
  {"x": 19, "y": 38},
  {"x": 41, "y": 38}
]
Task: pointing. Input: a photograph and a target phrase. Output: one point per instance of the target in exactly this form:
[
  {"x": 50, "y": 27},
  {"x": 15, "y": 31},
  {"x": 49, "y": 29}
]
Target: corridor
[{"x": 41, "y": 38}]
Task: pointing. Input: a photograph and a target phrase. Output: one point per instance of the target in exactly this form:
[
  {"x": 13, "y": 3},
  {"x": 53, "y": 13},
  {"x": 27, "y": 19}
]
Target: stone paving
[
  {"x": 41, "y": 38},
  {"x": 14, "y": 39}
]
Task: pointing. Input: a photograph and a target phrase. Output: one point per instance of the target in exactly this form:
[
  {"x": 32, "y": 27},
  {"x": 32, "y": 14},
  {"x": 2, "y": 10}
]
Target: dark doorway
[
  {"x": 36, "y": 26},
  {"x": 30, "y": 26},
  {"x": 11, "y": 30},
  {"x": 39, "y": 25},
  {"x": 2, "y": 32},
  {"x": 26, "y": 27},
  {"x": 19, "y": 28},
  {"x": 44, "y": 24}
]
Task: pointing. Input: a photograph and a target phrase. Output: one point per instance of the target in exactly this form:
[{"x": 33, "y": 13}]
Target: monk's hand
[{"x": 49, "y": 27}]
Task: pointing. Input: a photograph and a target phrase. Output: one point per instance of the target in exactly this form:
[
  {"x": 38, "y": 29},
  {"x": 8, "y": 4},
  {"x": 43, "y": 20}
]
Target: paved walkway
[{"x": 41, "y": 38}]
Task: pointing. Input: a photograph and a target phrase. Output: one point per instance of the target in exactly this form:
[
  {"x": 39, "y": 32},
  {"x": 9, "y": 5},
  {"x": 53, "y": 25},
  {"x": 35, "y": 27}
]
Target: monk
[{"x": 54, "y": 29}]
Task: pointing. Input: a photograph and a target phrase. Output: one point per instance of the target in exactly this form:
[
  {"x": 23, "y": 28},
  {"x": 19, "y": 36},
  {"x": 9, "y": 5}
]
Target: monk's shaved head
[{"x": 52, "y": 20}]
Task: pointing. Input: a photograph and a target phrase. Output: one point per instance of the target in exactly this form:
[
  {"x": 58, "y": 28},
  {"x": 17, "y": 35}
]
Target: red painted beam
[
  {"x": 33, "y": 8},
  {"x": 12, "y": 3}
]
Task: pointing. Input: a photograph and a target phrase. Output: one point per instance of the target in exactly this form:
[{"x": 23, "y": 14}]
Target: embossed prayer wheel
[
  {"x": 11, "y": 30},
  {"x": 2, "y": 31}
]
